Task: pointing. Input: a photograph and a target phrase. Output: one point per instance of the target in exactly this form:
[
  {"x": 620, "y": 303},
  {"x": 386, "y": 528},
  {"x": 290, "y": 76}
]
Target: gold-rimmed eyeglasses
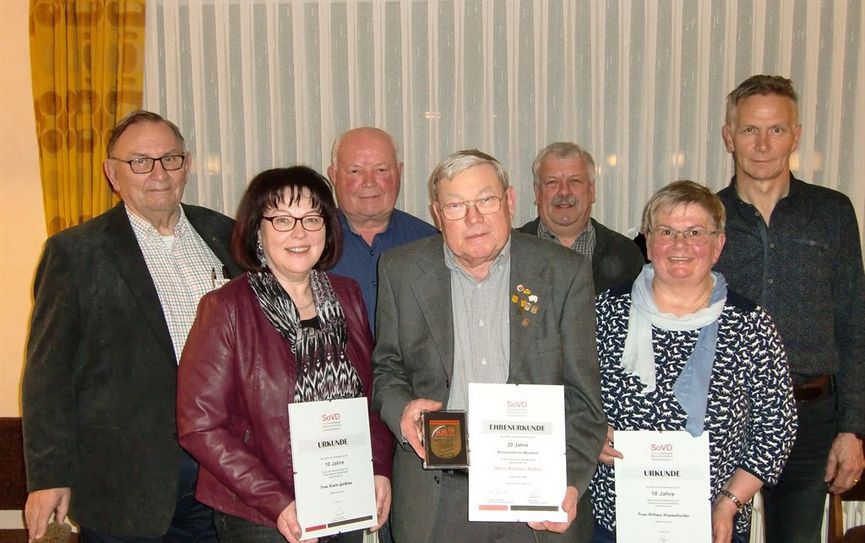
[
  {"x": 486, "y": 205},
  {"x": 663, "y": 235}
]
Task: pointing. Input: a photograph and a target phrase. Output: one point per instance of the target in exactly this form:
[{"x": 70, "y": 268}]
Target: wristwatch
[{"x": 732, "y": 497}]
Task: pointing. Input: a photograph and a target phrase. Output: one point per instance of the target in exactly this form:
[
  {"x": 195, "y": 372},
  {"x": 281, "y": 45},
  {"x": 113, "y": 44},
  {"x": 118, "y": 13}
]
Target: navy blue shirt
[
  {"x": 360, "y": 261},
  {"x": 805, "y": 269}
]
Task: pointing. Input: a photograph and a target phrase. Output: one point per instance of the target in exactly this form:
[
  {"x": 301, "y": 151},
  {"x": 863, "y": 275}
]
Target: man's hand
[
  {"x": 289, "y": 527},
  {"x": 382, "y": 500},
  {"x": 608, "y": 453},
  {"x": 569, "y": 504},
  {"x": 409, "y": 424},
  {"x": 41, "y": 504},
  {"x": 845, "y": 464}
]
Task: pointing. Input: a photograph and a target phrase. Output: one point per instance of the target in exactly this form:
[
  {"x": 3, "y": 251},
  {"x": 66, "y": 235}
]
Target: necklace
[
  {"x": 307, "y": 306},
  {"x": 704, "y": 301}
]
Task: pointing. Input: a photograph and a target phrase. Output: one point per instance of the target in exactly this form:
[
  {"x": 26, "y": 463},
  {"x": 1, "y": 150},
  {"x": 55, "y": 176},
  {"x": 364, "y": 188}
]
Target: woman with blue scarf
[{"x": 678, "y": 351}]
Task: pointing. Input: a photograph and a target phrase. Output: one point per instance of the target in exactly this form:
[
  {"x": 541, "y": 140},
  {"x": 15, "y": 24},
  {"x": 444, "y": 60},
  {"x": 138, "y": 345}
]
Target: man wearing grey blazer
[
  {"x": 446, "y": 318},
  {"x": 114, "y": 300}
]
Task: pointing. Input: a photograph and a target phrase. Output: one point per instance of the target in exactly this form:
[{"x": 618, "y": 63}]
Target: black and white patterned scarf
[{"x": 324, "y": 371}]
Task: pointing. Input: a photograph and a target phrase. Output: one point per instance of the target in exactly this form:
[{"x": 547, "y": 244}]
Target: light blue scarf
[{"x": 638, "y": 358}]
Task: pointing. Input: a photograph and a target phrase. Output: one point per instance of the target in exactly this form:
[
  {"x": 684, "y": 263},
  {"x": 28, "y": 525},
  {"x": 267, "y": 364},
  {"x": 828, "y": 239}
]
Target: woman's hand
[
  {"x": 723, "y": 511},
  {"x": 382, "y": 500},
  {"x": 289, "y": 527},
  {"x": 608, "y": 453}
]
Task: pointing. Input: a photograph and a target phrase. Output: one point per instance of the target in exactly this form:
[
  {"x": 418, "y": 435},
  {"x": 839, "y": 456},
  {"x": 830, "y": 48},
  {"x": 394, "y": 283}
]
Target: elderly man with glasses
[
  {"x": 446, "y": 318},
  {"x": 115, "y": 298}
]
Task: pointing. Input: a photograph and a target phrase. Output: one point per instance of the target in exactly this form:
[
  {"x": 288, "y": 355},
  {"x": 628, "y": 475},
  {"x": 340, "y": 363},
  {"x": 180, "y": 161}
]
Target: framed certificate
[
  {"x": 662, "y": 487},
  {"x": 332, "y": 455},
  {"x": 517, "y": 441}
]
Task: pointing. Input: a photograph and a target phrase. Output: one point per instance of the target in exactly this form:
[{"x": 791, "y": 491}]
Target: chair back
[
  {"x": 836, "y": 515},
  {"x": 13, "y": 481}
]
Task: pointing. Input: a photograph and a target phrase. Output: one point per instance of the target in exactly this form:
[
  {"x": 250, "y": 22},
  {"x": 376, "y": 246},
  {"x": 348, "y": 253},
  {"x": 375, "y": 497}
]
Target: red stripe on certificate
[{"x": 483, "y": 507}]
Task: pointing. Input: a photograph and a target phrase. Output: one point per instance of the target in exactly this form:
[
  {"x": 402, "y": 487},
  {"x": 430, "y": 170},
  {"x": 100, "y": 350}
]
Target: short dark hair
[
  {"x": 141, "y": 116},
  {"x": 763, "y": 85},
  {"x": 284, "y": 185}
]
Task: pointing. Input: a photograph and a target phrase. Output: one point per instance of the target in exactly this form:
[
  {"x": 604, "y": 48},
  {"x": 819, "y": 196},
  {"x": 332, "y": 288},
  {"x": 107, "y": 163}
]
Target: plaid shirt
[
  {"x": 584, "y": 244},
  {"x": 481, "y": 326},
  {"x": 183, "y": 269}
]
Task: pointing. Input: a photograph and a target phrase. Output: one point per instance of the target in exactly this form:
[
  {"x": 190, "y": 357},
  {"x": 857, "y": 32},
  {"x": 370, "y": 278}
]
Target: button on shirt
[
  {"x": 183, "y": 269},
  {"x": 805, "y": 269},
  {"x": 481, "y": 326},
  {"x": 360, "y": 261}
]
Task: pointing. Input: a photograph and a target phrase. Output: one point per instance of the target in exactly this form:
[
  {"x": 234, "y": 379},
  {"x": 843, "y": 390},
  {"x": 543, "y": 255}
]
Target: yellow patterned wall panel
[{"x": 87, "y": 62}]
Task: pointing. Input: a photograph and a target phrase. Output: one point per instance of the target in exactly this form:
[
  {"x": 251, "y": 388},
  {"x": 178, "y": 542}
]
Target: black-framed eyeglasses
[
  {"x": 486, "y": 205},
  {"x": 144, "y": 164},
  {"x": 286, "y": 223}
]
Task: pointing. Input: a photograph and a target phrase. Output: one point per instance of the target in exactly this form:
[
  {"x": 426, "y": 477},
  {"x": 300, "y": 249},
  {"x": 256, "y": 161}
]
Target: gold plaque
[{"x": 445, "y": 440}]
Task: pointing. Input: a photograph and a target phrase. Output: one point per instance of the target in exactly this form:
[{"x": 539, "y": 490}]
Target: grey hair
[
  {"x": 461, "y": 161},
  {"x": 560, "y": 150},
  {"x": 683, "y": 193},
  {"x": 141, "y": 116}
]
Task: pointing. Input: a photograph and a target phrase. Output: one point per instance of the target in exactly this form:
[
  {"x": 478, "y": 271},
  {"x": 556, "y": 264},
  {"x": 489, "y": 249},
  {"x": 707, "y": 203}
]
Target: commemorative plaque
[{"x": 444, "y": 440}]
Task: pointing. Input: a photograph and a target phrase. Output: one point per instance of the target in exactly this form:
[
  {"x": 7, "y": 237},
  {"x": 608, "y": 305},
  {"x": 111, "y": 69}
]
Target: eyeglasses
[
  {"x": 286, "y": 223},
  {"x": 486, "y": 205},
  {"x": 692, "y": 236},
  {"x": 145, "y": 164}
]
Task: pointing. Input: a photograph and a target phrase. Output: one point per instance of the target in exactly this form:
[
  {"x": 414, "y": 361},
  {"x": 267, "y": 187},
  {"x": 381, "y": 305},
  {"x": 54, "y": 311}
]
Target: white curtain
[{"x": 641, "y": 84}]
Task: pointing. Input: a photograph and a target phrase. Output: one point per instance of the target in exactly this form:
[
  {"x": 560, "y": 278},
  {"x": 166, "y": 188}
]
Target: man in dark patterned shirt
[{"x": 794, "y": 248}]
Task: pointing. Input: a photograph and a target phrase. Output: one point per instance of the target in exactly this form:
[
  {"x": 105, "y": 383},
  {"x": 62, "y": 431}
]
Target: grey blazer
[
  {"x": 99, "y": 385},
  {"x": 414, "y": 351}
]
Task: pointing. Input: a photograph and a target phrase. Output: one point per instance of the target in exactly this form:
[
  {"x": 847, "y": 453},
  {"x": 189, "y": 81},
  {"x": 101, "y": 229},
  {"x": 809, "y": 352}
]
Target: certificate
[
  {"x": 332, "y": 456},
  {"x": 662, "y": 487},
  {"x": 517, "y": 453}
]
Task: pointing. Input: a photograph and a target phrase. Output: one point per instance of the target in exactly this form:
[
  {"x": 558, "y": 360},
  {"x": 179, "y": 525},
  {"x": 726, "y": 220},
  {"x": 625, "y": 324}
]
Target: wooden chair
[
  {"x": 13, "y": 483},
  {"x": 855, "y": 534},
  {"x": 13, "y": 479}
]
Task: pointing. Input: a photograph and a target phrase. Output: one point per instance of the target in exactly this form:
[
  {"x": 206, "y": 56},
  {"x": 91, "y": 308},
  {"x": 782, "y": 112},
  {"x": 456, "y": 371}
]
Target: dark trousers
[
  {"x": 794, "y": 508},
  {"x": 452, "y": 521},
  {"x": 237, "y": 530},
  {"x": 384, "y": 535},
  {"x": 192, "y": 522}
]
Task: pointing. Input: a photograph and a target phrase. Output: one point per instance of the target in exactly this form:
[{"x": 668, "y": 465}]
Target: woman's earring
[{"x": 259, "y": 252}]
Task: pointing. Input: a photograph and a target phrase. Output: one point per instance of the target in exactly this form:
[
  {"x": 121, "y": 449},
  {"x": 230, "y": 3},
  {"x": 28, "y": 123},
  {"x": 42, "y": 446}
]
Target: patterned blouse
[{"x": 751, "y": 415}]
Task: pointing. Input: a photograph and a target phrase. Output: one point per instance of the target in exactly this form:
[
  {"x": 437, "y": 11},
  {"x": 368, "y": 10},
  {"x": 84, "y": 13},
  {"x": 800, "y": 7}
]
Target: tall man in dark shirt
[
  {"x": 794, "y": 248},
  {"x": 564, "y": 180},
  {"x": 365, "y": 171}
]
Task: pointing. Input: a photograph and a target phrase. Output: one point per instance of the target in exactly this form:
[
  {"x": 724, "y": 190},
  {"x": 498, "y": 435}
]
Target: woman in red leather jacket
[{"x": 283, "y": 332}]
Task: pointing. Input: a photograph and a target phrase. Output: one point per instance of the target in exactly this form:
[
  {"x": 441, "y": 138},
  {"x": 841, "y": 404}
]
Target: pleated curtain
[{"x": 87, "y": 60}]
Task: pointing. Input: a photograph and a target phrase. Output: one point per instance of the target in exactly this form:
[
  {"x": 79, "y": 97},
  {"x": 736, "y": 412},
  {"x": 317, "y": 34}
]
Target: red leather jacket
[{"x": 235, "y": 380}]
